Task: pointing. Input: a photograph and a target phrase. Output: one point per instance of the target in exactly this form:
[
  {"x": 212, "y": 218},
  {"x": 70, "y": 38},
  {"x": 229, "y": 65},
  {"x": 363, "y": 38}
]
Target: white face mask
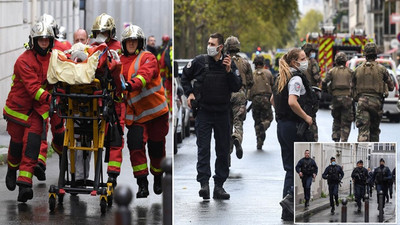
[
  {"x": 212, "y": 50},
  {"x": 303, "y": 65}
]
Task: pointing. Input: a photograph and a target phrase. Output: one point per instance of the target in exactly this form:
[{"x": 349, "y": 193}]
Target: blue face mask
[
  {"x": 333, "y": 163},
  {"x": 312, "y": 55}
]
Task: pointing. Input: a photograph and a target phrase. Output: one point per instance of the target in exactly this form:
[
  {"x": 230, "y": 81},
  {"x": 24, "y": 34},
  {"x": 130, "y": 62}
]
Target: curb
[{"x": 318, "y": 208}]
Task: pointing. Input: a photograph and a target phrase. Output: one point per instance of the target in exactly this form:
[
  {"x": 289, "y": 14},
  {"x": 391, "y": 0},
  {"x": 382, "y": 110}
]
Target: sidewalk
[{"x": 316, "y": 205}]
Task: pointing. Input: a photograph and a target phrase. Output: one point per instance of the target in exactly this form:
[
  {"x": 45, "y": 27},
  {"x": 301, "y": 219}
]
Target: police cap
[{"x": 382, "y": 160}]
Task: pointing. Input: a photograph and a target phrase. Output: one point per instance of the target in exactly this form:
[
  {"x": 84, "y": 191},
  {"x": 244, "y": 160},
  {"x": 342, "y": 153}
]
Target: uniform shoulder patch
[
  {"x": 297, "y": 86},
  {"x": 237, "y": 72},
  {"x": 189, "y": 64}
]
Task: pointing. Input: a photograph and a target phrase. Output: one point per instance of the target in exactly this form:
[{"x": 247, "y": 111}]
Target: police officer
[
  {"x": 334, "y": 174},
  {"x": 238, "y": 99},
  {"x": 260, "y": 95},
  {"x": 359, "y": 176},
  {"x": 382, "y": 176},
  {"x": 370, "y": 80},
  {"x": 339, "y": 80},
  {"x": 291, "y": 96},
  {"x": 370, "y": 183},
  {"x": 307, "y": 170},
  {"x": 313, "y": 76},
  {"x": 215, "y": 78}
]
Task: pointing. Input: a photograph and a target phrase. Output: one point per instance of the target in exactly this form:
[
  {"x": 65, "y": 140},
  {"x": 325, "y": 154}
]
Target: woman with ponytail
[{"x": 291, "y": 93}]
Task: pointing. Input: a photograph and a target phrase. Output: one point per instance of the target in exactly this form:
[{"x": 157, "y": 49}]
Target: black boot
[
  {"x": 205, "y": 191},
  {"x": 143, "y": 190},
  {"x": 220, "y": 193},
  {"x": 39, "y": 171},
  {"x": 287, "y": 205},
  {"x": 333, "y": 210},
  {"x": 11, "y": 179},
  {"x": 112, "y": 178},
  {"x": 239, "y": 149},
  {"x": 157, "y": 186},
  {"x": 306, "y": 204},
  {"x": 25, "y": 193}
]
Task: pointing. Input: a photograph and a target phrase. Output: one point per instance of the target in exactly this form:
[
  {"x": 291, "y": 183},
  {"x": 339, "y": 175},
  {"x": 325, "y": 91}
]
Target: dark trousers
[
  {"x": 287, "y": 136},
  {"x": 333, "y": 192},
  {"x": 359, "y": 192},
  {"x": 307, "y": 180},
  {"x": 384, "y": 189},
  {"x": 206, "y": 122}
]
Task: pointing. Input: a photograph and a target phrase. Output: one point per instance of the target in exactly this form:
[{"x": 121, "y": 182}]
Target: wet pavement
[{"x": 80, "y": 209}]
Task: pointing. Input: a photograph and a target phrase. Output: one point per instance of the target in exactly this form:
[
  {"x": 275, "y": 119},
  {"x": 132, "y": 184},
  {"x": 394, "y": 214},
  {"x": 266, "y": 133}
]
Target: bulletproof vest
[
  {"x": 261, "y": 82},
  {"x": 380, "y": 175},
  {"x": 369, "y": 79},
  {"x": 333, "y": 173},
  {"x": 359, "y": 176},
  {"x": 215, "y": 87},
  {"x": 341, "y": 80},
  {"x": 241, "y": 67},
  {"x": 307, "y": 167},
  {"x": 309, "y": 73}
]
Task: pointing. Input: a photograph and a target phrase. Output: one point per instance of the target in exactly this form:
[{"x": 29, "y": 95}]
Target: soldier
[
  {"x": 382, "y": 176},
  {"x": 260, "y": 95},
  {"x": 307, "y": 170},
  {"x": 339, "y": 80},
  {"x": 359, "y": 176},
  {"x": 314, "y": 78},
  {"x": 370, "y": 79},
  {"x": 334, "y": 174},
  {"x": 238, "y": 99}
]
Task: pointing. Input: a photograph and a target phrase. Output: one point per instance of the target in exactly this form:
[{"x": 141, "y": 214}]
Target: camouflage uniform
[
  {"x": 260, "y": 95},
  {"x": 370, "y": 82},
  {"x": 339, "y": 79},
  {"x": 314, "y": 79}
]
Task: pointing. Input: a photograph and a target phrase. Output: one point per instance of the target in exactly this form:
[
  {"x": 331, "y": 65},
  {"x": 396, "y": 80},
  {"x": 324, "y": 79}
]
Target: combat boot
[
  {"x": 205, "y": 191},
  {"x": 220, "y": 193},
  {"x": 11, "y": 179},
  {"x": 259, "y": 146},
  {"x": 239, "y": 149},
  {"x": 143, "y": 190},
  {"x": 112, "y": 178},
  {"x": 39, "y": 171},
  {"x": 157, "y": 186},
  {"x": 306, "y": 204},
  {"x": 333, "y": 210},
  {"x": 287, "y": 204},
  {"x": 25, "y": 193}
]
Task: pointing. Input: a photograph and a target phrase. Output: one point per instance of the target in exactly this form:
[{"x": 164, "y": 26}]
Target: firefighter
[
  {"x": 60, "y": 45},
  {"x": 165, "y": 64},
  {"x": 238, "y": 99},
  {"x": 314, "y": 78},
  {"x": 382, "y": 176},
  {"x": 260, "y": 94},
  {"x": 26, "y": 110},
  {"x": 307, "y": 170},
  {"x": 334, "y": 174},
  {"x": 104, "y": 31},
  {"x": 370, "y": 80},
  {"x": 339, "y": 79},
  {"x": 146, "y": 109},
  {"x": 359, "y": 176}
]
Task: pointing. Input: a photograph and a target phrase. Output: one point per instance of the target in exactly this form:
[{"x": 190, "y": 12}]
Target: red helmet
[{"x": 165, "y": 38}]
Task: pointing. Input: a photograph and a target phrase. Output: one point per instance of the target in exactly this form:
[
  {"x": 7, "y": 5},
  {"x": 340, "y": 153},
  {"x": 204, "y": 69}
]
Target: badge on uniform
[
  {"x": 189, "y": 64},
  {"x": 297, "y": 86},
  {"x": 237, "y": 73}
]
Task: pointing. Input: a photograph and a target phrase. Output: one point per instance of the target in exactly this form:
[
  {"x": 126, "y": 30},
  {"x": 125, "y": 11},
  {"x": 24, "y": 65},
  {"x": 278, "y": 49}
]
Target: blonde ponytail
[{"x": 284, "y": 67}]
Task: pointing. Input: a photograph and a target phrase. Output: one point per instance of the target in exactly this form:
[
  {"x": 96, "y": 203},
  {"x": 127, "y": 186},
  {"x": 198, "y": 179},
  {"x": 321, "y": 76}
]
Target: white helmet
[
  {"x": 49, "y": 19},
  {"x": 133, "y": 32},
  {"x": 41, "y": 30},
  {"x": 63, "y": 33}
]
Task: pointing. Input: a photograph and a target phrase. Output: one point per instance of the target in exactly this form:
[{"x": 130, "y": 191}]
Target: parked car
[{"x": 390, "y": 109}]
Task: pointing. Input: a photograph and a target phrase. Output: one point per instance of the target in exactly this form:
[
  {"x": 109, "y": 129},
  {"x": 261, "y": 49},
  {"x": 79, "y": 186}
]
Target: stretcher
[{"x": 86, "y": 106}]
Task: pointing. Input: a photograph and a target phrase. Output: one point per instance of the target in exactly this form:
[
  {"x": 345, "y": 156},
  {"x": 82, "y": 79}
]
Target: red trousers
[
  {"x": 153, "y": 133},
  {"x": 115, "y": 160},
  {"x": 57, "y": 130},
  {"x": 24, "y": 147}
]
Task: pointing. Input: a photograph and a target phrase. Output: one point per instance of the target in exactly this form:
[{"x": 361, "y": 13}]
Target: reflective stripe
[
  {"x": 13, "y": 165},
  {"x": 25, "y": 174},
  {"x": 140, "y": 167},
  {"x": 42, "y": 158},
  {"x": 155, "y": 169},
  {"x": 16, "y": 114},
  {"x": 39, "y": 93},
  {"x": 144, "y": 93},
  {"x": 141, "y": 78},
  {"x": 136, "y": 65},
  {"x": 45, "y": 115},
  {"x": 114, "y": 163},
  {"x": 151, "y": 111},
  {"x": 129, "y": 117}
]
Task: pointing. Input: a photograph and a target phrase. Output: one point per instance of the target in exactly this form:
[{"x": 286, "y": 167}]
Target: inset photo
[{"x": 345, "y": 183}]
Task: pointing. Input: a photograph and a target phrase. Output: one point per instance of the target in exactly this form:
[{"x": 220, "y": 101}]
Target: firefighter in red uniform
[
  {"x": 57, "y": 123},
  {"x": 104, "y": 29},
  {"x": 166, "y": 71},
  {"x": 146, "y": 109},
  {"x": 26, "y": 110}
]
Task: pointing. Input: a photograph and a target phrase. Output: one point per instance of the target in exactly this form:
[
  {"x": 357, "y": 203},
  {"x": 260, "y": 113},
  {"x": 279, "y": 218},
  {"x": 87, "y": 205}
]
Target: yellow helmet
[
  {"x": 133, "y": 32},
  {"x": 104, "y": 23}
]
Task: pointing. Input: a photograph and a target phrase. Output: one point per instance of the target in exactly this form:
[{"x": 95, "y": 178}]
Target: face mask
[
  {"x": 303, "y": 66},
  {"x": 212, "y": 51},
  {"x": 382, "y": 166},
  {"x": 100, "y": 38},
  {"x": 333, "y": 163},
  {"x": 312, "y": 55}
]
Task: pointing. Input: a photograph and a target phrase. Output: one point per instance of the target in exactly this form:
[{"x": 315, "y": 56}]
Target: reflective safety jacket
[
  {"x": 28, "y": 88},
  {"x": 146, "y": 100}
]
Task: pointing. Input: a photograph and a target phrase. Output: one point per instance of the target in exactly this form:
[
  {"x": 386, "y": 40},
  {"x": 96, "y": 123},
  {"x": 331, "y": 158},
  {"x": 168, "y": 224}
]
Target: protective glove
[{"x": 45, "y": 98}]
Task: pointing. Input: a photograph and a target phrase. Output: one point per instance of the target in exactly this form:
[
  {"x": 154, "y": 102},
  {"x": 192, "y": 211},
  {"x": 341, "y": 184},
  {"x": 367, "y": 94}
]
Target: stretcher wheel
[
  {"x": 103, "y": 205},
  {"x": 52, "y": 203},
  {"x": 110, "y": 200}
]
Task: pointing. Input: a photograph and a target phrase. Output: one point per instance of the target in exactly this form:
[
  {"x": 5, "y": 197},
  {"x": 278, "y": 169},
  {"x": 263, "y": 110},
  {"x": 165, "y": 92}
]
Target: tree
[{"x": 309, "y": 23}]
